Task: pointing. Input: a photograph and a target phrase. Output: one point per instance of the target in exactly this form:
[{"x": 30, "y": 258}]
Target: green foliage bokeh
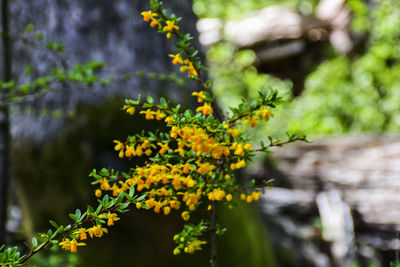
[{"x": 346, "y": 94}]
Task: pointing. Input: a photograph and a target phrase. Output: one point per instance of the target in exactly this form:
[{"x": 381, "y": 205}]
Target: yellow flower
[
  {"x": 148, "y": 152},
  {"x": 154, "y": 22},
  {"x": 97, "y": 193},
  {"x": 240, "y": 164},
  {"x": 169, "y": 120},
  {"x": 70, "y": 244},
  {"x": 130, "y": 151},
  {"x": 200, "y": 96},
  {"x": 160, "y": 115},
  {"x": 185, "y": 216},
  {"x": 249, "y": 199},
  {"x": 139, "y": 151},
  {"x": 229, "y": 197},
  {"x": 247, "y": 146},
  {"x": 252, "y": 120},
  {"x": 233, "y": 166},
  {"x": 111, "y": 217},
  {"x": 206, "y": 109},
  {"x": 170, "y": 26},
  {"x": 177, "y": 251},
  {"x": 104, "y": 185},
  {"x": 256, "y": 195},
  {"x": 167, "y": 210},
  {"x": 119, "y": 145},
  {"x": 176, "y": 59},
  {"x": 149, "y": 114},
  {"x": 148, "y": 15},
  {"x": 266, "y": 114},
  {"x": 190, "y": 67},
  {"x": 164, "y": 148},
  {"x": 82, "y": 233},
  {"x": 97, "y": 231},
  {"x": 129, "y": 109}
]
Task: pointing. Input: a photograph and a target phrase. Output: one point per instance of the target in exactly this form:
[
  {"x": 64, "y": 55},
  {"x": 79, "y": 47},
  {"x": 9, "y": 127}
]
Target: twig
[{"x": 213, "y": 232}]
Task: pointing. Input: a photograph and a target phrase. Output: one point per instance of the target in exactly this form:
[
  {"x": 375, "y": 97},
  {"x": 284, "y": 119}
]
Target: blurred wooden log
[{"x": 366, "y": 173}]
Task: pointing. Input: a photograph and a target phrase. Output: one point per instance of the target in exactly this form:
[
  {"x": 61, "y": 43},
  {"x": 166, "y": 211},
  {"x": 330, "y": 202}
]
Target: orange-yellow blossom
[
  {"x": 206, "y": 109},
  {"x": 111, "y": 218},
  {"x": 70, "y": 244},
  {"x": 148, "y": 15},
  {"x": 97, "y": 231},
  {"x": 82, "y": 233}
]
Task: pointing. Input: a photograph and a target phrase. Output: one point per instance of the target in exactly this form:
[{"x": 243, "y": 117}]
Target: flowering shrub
[{"x": 189, "y": 168}]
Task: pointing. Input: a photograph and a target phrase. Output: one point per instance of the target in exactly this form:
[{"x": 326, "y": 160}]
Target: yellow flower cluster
[
  {"x": 95, "y": 231},
  {"x": 188, "y": 246},
  {"x": 134, "y": 151},
  {"x": 254, "y": 196},
  {"x": 170, "y": 26},
  {"x": 187, "y": 65},
  {"x": 254, "y": 119},
  {"x": 200, "y": 96},
  {"x": 151, "y": 115},
  {"x": 150, "y": 16},
  {"x": 71, "y": 245},
  {"x": 198, "y": 140}
]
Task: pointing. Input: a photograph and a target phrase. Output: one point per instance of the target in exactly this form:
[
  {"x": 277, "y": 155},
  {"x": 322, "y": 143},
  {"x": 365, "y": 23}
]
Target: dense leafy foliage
[{"x": 345, "y": 94}]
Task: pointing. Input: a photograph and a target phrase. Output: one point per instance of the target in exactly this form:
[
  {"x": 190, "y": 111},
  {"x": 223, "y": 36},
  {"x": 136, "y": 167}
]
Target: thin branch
[
  {"x": 213, "y": 232},
  {"x": 301, "y": 138}
]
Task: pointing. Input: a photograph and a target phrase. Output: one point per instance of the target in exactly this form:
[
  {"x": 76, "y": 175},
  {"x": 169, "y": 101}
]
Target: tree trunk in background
[{"x": 4, "y": 122}]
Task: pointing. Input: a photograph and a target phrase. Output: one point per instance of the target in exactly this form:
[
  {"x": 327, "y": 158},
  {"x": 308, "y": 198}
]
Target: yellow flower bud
[
  {"x": 148, "y": 152},
  {"x": 167, "y": 210},
  {"x": 130, "y": 110},
  {"x": 229, "y": 197},
  {"x": 247, "y": 146},
  {"x": 185, "y": 216},
  {"x": 249, "y": 199},
  {"x": 97, "y": 193}
]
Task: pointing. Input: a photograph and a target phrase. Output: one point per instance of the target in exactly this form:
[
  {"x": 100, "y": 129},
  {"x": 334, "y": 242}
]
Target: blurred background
[{"x": 334, "y": 202}]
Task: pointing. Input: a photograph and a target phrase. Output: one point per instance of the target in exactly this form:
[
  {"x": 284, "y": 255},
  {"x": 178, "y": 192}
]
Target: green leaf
[
  {"x": 29, "y": 28},
  {"x": 78, "y": 214},
  {"x": 73, "y": 217},
  {"x": 150, "y": 100},
  {"x": 53, "y": 223}
]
